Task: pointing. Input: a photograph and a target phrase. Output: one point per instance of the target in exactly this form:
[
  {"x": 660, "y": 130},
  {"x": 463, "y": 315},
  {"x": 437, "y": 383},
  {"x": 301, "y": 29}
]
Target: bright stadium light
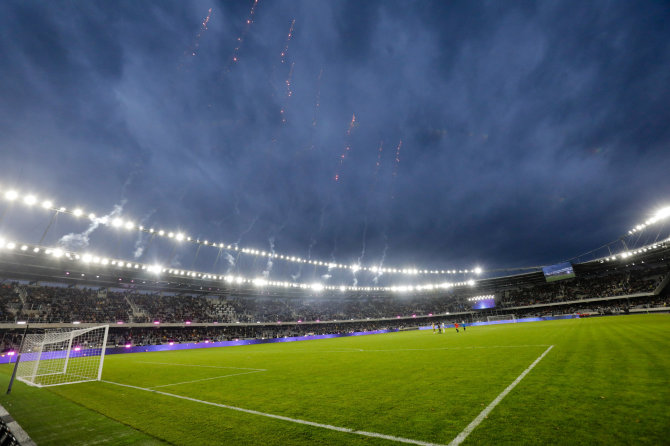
[
  {"x": 30, "y": 200},
  {"x": 77, "y": 212},
  {"x": 46, "y": 204},
  {"x": 478, "y": 270},
  {"x": 260, "y": 282},
  {"x": 11, "y": 195},
  {"x": 117, "y": 222}
]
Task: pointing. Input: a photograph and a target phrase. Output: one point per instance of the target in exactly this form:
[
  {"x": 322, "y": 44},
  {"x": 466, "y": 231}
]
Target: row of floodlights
[
  {"x": 478, "y": 298},
  {"x": 230, "y": 279},
  {"x": 661, "y": 214},
  {"x": 30, "y": 200},
  {"x": 628, "y": 254}
]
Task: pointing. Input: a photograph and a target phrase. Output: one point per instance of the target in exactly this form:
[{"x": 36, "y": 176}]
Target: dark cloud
[{"x": 530, "y": 132}]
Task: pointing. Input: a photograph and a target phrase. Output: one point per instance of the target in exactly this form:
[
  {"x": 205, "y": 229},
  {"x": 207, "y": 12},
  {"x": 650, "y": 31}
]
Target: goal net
[
  {"x": 62, "y": 356},
  {"x": 501, "y": 317}
]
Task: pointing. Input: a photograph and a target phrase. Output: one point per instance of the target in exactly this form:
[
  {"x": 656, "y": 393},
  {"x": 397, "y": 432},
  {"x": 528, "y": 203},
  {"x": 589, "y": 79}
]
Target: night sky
[{"x": 390, "y": 133}]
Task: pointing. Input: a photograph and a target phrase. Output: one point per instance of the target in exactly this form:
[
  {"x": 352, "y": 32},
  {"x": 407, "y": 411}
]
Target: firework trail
[
  {"x": 317, "y": 102},
  {"x": 395, "y": 169},
  {"x": 289, "y": 92},
  {"x": 378, "y": 164},
  {"x": 203, "y": 28},
  {"x": 351, "y": 124},
  {"x": 347, "y": 148},
  {"x": 373, "y": 186},
  {"x": 288, "y": 40},
  {"x": 235, "y": 57},
  {"x": 192, "y": 51}
]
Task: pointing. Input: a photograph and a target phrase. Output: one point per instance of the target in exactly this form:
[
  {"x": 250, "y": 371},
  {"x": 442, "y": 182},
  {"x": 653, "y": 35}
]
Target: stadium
[
  {"x": 364, "y": 362},
  {"x": 309, "y": 222}
]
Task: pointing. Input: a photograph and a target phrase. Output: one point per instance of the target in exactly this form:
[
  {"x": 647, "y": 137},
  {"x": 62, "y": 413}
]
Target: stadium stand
[{"x": 144, "y": 317}]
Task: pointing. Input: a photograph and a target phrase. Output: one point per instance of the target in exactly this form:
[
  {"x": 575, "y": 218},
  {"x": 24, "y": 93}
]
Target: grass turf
[{"x": 605, "y": 381}]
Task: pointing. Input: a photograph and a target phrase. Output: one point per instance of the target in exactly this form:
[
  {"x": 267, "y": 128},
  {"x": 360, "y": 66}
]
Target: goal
[
  {"x": 501, "y": 317},
  {"x": 62, "y": 356}
]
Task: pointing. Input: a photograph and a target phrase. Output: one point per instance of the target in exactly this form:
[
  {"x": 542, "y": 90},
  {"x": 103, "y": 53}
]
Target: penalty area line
[
  {"x": 484, "y": 413},
  {"x": 281, "y": 417}
]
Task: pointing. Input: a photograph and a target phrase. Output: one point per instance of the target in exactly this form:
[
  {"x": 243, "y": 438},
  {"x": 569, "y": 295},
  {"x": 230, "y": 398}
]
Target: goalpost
[
  {"x": 62, "y": 356},
  {"x": 501, "y": 317}
]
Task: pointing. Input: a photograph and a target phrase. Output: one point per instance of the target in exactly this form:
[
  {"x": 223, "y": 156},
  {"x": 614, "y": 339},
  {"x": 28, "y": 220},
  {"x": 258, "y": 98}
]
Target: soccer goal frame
[
  {"x": 63, "y": 356},
  {"x": 501, "y": 317}
]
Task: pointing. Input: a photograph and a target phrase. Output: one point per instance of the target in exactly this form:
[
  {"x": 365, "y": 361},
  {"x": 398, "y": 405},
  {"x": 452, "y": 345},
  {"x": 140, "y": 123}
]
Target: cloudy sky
[{"x": 395, "y": 133}]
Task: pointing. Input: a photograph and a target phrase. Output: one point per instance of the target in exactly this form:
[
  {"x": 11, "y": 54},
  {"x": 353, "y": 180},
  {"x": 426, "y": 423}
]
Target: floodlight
[
  {"x": 180, "y": 237},
  {"x": 129, "y": 225},
  {"x": 91, "y": 216},
  {"x": 317, "y": 286},
  {"x": 24, "y": 248},
  {"x": 11, "y": 195},
  {"x": 10, "y": 245},
  {"x": 117, "y": 222},
  {"x": 47, "y": 204},
  {"x": 478, "y": 270},
  {"x": 260, "y": 282},
  {"x": 471, "y": 282},
  {"x": 30, "y": 200},
  {"x": 662, "y": 213},
  {"x": 77, "y": 212},
  {"x": 57, "y": 252}
]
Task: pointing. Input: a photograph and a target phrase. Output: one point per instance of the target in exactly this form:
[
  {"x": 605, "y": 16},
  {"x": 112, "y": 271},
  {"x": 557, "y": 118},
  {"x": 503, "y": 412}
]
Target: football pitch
[{"x": 584, "y": 381}]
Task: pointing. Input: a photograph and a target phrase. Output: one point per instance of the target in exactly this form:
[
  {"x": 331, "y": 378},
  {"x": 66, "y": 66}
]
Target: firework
[
  {"x": 347, "y": 148},
  {"x": 235, "y": 57},
  {"x": 395, "y": 169},
  {"x": 289, "y": 93},
  {"x": 288, "y": 40},
  {"x": 317, "y": 101}
]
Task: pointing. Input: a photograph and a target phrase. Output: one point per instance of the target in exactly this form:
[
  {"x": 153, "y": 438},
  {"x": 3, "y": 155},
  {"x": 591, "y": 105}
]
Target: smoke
[
  {"x": 142, "y": 238},
  {"x": 77, "y": 241},
  {"x": 231, "y": 261},
  {"x": 268, "y": 266},
  {"x": 379, "y": 273}
]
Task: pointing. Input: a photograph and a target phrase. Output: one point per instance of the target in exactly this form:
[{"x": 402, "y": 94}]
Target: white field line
[
  {"x": 484, "y": 413},
  {"x": 199, "y": 365},
  {"x": 206, "y": 379},
  {"x": 282, "y": 418}
]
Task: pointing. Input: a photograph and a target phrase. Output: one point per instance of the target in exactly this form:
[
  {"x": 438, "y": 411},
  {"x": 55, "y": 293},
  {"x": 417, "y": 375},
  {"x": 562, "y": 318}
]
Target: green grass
[{"x": 606, "y": 381}]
